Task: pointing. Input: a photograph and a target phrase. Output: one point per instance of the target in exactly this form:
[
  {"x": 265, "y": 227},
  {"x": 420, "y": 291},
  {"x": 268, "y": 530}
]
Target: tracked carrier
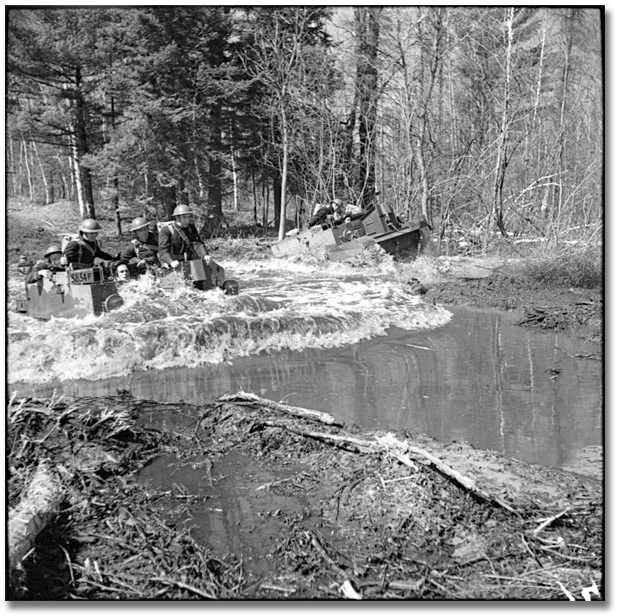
[
  {"x": 71, "y": 293},
  {"x": 378, "y": 225},
  {"x": 93, "y": 291}
]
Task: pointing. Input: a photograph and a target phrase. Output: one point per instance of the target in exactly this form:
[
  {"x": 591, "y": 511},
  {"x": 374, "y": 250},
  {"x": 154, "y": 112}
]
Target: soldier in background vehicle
[
  {"x": 82, "y": 251},
  {"x": 334, "y": 212},
  {"x": 142, "y": 251},
  {"x": 45, "y": 267},
  {"x": 179, "y": 239},
  {"x": 353, "y": 211}
]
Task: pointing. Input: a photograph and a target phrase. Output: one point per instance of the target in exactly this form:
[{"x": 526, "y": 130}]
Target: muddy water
[
  {"x": 478, "y": 379},
  {"x": 236, "y": 513}
]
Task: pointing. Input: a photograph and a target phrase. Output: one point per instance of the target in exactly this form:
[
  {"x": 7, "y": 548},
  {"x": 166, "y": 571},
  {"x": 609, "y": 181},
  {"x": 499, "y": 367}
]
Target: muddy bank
[
  {"x": 492, "y": 283},
  {"x": 351, "y": 514}
]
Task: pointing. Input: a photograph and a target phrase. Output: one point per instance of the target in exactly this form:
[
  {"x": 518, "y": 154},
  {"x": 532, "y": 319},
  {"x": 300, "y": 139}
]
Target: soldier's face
[
  {"x": 54, "y": 258},
  {"x": 91, "y": 236},
  {"x": 142, "y": 234},
  {"x": 184, "y": 220}
]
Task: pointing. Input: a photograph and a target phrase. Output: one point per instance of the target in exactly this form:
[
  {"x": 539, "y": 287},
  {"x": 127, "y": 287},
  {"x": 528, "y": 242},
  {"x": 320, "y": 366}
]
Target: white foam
[{"x": 284, "y": 305}]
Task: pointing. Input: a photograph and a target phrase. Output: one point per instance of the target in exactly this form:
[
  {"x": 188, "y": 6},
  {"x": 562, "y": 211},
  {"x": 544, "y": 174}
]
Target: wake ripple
[{"x": 283, "y": 306}]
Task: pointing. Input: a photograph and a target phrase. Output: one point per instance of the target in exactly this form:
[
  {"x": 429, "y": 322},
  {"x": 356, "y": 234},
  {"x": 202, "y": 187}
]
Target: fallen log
[
  {"x": 40, "y": 503},
  {"x": 391, "y": 443},
  {"x": 400, "y": 449},
  {"x": 243, "y": 398},
  {"x": 333, "y": 439}
]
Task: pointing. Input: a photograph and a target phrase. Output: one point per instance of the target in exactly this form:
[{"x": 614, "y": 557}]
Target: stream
[{"x": 364, "y": 348}]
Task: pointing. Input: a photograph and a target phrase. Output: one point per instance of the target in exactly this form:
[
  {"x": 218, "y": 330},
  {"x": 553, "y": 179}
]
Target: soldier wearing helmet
[
  {"x": 179, "y": 239},
  {"x": 82, "y": 251},
  {"x": 143, "y": 248},
  {"x": 338, "y": 210},
  {"x": 325, "y": 213},
  {"x": 45, "y": 267}
]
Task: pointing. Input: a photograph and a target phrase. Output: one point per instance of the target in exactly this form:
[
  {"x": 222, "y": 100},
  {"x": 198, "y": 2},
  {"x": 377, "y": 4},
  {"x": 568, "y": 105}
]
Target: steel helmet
[
  {"x": 90, "y": 225},
  {"x": 52, "y": 249},
  {"x": 138, "y": 223},
  {"x": 338, "y": 202},
  {"x": 182, "y": 209}
]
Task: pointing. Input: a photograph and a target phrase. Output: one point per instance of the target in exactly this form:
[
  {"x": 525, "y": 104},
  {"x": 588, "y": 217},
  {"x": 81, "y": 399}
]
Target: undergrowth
[{"x": 581, "y": 269}]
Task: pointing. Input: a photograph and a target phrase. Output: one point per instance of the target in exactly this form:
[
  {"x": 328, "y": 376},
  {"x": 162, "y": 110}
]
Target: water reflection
[{"x": 478, "y": 379}]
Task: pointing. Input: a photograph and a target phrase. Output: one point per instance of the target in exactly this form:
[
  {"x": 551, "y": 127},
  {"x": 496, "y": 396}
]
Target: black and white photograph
[{"x": 305, "y": 304}]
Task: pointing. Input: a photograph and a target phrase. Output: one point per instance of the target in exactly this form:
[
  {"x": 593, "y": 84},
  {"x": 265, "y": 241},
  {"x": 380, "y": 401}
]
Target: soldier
[
  {"x": 338, "y": 210},
  {"x": 143, "y": 247},
  {"x": 44, "y": 268},
  {"x": 122, "y": 273},
  {"x": 326, "y": 213},
  {"x": 82, "y": 251},
  {"x": 179, "y": 239}
]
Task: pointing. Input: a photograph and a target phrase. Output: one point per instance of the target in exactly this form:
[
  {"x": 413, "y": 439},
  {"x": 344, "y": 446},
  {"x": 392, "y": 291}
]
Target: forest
[{"x": 485, "y": 119}]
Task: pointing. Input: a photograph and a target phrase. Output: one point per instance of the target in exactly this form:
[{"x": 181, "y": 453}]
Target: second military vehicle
[{"x": 347, "y": 238}]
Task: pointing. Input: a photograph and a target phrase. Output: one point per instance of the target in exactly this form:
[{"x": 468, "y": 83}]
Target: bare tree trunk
[
  {"x": 556, "y": 201},
  {"x": 265, "y": 205},
  {"x": 15, "y": 178},
  {"x": 233, "y": 166},
  {"x": 115, "y": 182},
  {"x": 79, "y": 148},
  {"x": 277, "y": 200},
  {"x": 254, "y": 198},
  {"x": 77, "y": 178},
  {"x": 28, "y": 172},
  {"x": 43, "y": 176},
  {"x": 285, "y": 146},
  {"x": 367, "y": 83},
  {"x": 502, "y": 161},
  {"x": 63, "y": 179},
  {"x": 215, "y": 165}
]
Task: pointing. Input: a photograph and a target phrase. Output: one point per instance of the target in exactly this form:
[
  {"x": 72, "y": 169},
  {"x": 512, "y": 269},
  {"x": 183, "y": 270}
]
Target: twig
[
  {"x": 529, "y": 549},
  {"x": 461, "y": 480},
  {"x": 285, "y": 589},
  {"x": 315, "y": 542},
  {"x": 185, "y": 586},
  {"x": 334, "y": 439},
  {"x": 68, "y": 563},
  {"x": 550, "y": 521},
  {"x": 253, "y": 400}
]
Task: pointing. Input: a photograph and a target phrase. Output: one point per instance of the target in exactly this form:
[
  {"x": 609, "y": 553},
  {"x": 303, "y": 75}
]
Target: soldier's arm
[
  {"x": 127, "y": 253},
  {"x": 102, "y": 254},
  {"x": 165, "y": 246},
  {"x": 72, "y": 252},
  {"x": 33, "y": 274},
  {"x": 198, "y": 244}
]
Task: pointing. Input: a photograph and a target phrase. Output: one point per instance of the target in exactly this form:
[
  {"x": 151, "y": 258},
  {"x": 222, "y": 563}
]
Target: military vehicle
[
  {"x": 94, "y": 291},
  {"x": 71, "y": 293},
  {"x": 201, "y": 275},
  {"x": 341, "y": 240}
]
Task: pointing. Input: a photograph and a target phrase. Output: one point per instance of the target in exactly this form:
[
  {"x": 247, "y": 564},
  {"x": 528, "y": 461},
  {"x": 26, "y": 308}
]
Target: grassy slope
[{"x": 30, "y": 229}]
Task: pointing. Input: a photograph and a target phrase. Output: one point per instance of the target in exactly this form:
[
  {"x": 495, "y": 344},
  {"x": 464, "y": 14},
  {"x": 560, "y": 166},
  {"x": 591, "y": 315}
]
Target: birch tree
[{"x": 280, "y": 41}]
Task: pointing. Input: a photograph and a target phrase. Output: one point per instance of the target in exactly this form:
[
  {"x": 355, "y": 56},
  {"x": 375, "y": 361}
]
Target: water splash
[{"x": 284, "y": 305}]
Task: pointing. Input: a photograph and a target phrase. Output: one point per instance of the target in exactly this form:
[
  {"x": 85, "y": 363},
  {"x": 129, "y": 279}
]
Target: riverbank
[
  {"x": 338, "y": 513},
  {"x": 107, "y": 505},
  {"x": 544, "y": 287}
]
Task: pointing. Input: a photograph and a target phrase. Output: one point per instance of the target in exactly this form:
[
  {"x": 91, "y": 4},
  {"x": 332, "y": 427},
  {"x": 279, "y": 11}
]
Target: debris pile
[{"x": 388, "y": 516}]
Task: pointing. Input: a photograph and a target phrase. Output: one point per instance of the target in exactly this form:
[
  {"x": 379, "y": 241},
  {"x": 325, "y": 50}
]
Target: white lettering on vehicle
[{"x": 85, "y": 276}]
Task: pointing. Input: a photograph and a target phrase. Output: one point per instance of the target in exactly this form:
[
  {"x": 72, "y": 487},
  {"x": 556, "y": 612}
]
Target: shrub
[{"x": 582, "y": 269}]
